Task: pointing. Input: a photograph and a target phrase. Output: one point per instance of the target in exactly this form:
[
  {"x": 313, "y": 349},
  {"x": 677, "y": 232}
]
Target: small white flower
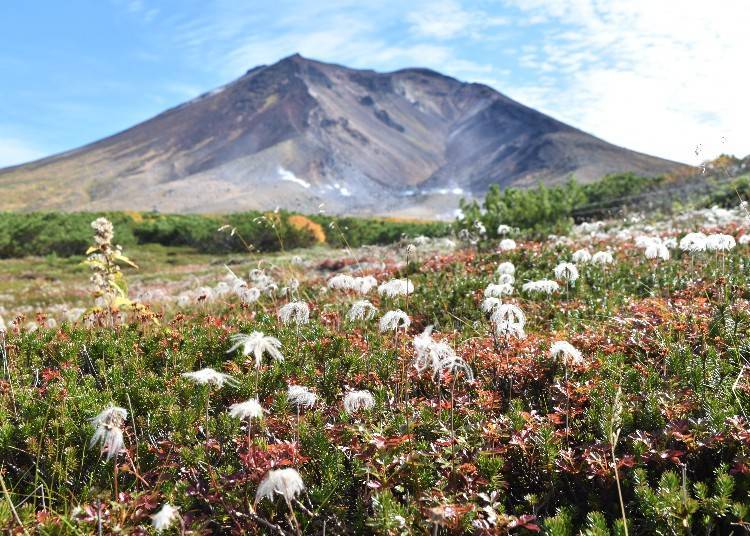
[
  {"x": 286, "y": 482},
  {"x": 361, "y": 310},
  {"x": 296, "y": 312},
  {"x": 249, "y": 409},
  {"x": 567, "y": 352},
  {"x": 164, "y": 518},
  {"x": 393, "y": 320},
  {"x": 507, "y": 244},
  {"x": 546, "y": 286},
  {"x": 357, "y": 400},
  {"x": 581, "y": 256},
  {"x": 566, "y": 271},
  {"x": 257, "y": 344},
  {"x": 209, "y": 376},
  {"x": 396, "y": 287},
  {"x": 503, "y": 229},
  {"x": 301, "y": 396}
]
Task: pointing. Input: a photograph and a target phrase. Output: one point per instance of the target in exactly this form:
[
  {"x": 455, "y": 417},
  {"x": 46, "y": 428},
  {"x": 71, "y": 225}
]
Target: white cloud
[
  {"x": 14, "y": 151},
  {"x": 448, "y": 19},
  {"x": 659, "y": 77}
]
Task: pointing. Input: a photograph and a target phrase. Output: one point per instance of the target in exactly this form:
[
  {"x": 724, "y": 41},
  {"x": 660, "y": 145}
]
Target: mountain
[{"x": 301, "y": 133}]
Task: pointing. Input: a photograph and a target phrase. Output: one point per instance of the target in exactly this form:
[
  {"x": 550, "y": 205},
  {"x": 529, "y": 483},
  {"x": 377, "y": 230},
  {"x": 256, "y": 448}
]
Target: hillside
[{"x": 301, "y": 133}]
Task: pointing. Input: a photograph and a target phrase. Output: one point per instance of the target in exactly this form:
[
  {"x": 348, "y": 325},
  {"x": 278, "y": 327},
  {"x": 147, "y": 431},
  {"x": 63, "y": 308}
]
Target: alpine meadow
[{"x": 368, "y": 268}]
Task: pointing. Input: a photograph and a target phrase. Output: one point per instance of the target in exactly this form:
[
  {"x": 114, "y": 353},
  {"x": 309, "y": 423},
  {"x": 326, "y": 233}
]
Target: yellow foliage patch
[
  {"x": 135, "y": 216},
  {"x": 301, "y": 222}
]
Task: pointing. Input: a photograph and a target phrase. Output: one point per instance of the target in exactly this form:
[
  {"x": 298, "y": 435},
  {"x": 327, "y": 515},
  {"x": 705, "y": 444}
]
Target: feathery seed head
[
  {"x": 301, "y": 396},
  {"x": 393, "y": 320},
  {"x": 209, "y": 376},
  {"x": 581, "y": 256},
  {"x": 296, "y": 312},
  {"x": 602, "y": 258},
  {"x": 257, "y": 344},
  {"x": 357, "y": 400},
  {"x": 342, "y": 282},
  {"x": 286, "y": 482},
  {"x": 249, "y": 409},
  {"x": 361, "y": 310},
  {"x": 505, "y": 268},
  {"x": 546, "y": 286},
  {"x": 164, "y": 518},
  {"x": 567, "y": 352},
  {"x": 693, "y": 243},
  {"x": 396, "y": 287},
  {"x": 566, "y": 271}
]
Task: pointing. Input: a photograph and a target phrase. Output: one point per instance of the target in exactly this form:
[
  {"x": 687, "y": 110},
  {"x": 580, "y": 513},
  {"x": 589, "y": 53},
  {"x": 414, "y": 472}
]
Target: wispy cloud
[
  {"x": 661, "y": 77},
  {"x": 449, "y": 19}
]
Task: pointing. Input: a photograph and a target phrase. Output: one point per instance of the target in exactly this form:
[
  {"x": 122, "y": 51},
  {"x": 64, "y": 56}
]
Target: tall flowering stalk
[{"x": 104, "y": 259}]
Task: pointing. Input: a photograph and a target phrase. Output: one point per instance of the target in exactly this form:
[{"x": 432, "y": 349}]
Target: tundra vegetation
[{"x": 595, "y": 383}]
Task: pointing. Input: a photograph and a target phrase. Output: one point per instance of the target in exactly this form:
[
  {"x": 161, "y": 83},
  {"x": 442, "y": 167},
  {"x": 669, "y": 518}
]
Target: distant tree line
[{"x": 68, "y": 234}]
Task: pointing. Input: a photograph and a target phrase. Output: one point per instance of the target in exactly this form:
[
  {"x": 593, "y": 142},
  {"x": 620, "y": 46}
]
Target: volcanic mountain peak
[{"x": 301, "y": 133}]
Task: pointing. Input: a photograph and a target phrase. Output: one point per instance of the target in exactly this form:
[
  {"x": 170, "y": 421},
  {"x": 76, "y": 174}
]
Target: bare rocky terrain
[{"x": 306, "y": 135}]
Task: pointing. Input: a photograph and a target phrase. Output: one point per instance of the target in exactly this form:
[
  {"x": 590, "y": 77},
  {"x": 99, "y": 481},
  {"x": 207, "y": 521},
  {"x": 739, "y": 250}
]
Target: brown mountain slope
[{"x": 302, "y": 133}]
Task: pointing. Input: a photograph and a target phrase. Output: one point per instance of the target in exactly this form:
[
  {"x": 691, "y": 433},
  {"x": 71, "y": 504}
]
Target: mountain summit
[{"x": 301, "y": 133}]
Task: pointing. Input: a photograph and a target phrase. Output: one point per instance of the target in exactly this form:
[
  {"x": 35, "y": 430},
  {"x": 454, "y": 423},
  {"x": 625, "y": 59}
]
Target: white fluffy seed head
[
  {"x": 301, "y": 396},
  {"x": 581, "y": 256},
  {"x": 286, "y": 482},
  {"x": 396, "y": 287},
  {"x": 365, "y": 284},
  {"x": 209, "y": 376},
  {"x": 569, "y": 354},
  {"x": 546, "y": 286},
  {"x": 361, "y": 310},
  {"x": 507, "y": 244},
  {"x": 358, "y": 400},
  {"x": 498, "y": 290},
  {"x": 342, "y": 282},
  {"x": 720, "y": 242},
  {"x": 249, "y": 409},
  {"x": 296, "y": 312},
  {"x": 505, "y": 268},
  {"x": 602, "y": 258},
  {"x": 489, "y": 304},
  {"x": 257, "y": 344},
  {"x": 656, "y": 250},
  {"x": 393, "y": 320},
  {"x": 165, "y": 517},
  {"x": 108, "y": 431},
  {"x": 566, "y": 271},
  {"x": 693, "y": 243}
]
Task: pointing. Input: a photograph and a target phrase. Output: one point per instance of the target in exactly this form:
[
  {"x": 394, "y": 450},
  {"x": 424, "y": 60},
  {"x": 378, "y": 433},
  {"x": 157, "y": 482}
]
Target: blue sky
[{"x": 667, "y": 80}]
